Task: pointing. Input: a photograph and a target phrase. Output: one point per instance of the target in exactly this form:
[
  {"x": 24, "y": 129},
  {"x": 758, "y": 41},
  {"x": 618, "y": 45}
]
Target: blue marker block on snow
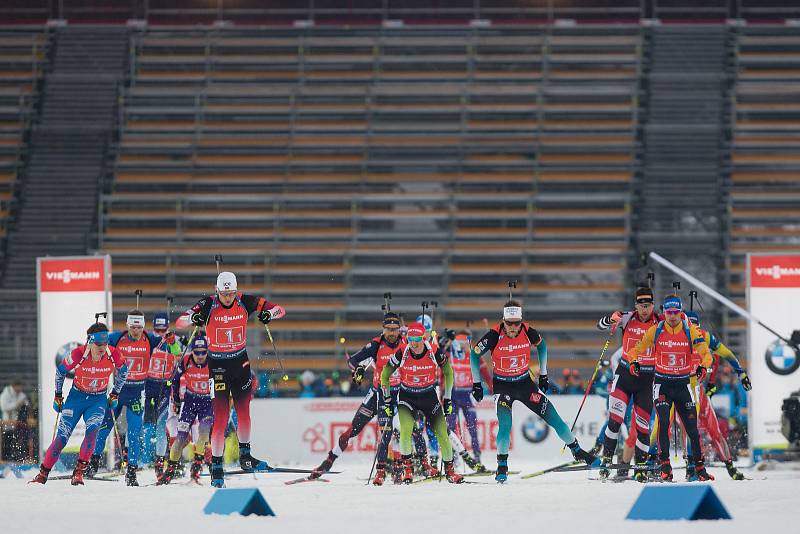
[
  {"x": 678, "y": 502},
  {"x": 243, "y": 501}
]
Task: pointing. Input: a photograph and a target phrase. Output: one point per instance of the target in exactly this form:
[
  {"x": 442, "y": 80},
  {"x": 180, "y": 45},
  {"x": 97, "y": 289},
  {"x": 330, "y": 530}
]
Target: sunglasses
[
  {"x": 512, "y": 325},
  {"x": 415, "y": 339},
  {"x": 672, "y": 312},
  {"x": 200, "y": 352}
]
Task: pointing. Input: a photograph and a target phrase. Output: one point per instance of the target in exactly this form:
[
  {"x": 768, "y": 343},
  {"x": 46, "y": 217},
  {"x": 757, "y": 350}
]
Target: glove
[
  {"x": 176, "y": 406},
  {"x": 616, "y": 317},
  {"x": 477, "y": 391},
  {"x": 544, "y": 383},
  {"x": 198, "y": 319},
  {"x": 447, "y": 405},
  {"x": 387, "y": 409},
  {"x": 711, "y": 389},
  {"x": 634, "y": 368},
  {"x": 264, "y": 316},
  {"x": 358, "y": 374},
  {"x": 450, "y": 334},
  {"x": 58, "y": 401},
  {"x": 745, "y": 380},
  {"x": 169, "y": 338},
  {"x": 113, "y": 400},
  {"x": 701, "y": 373}
]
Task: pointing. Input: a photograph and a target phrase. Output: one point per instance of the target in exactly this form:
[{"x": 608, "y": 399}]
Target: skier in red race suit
[
  {"x": 224, "y": 317},
  {"x": 93, "y": 363}
]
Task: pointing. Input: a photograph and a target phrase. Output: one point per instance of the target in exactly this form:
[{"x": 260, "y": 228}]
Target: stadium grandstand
[{"x": 333, "y": 151}]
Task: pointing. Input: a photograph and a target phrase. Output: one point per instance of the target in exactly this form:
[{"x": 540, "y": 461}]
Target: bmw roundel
[
  {"x": 781, "y": 358},
  {"x": 534, "y": 429}
]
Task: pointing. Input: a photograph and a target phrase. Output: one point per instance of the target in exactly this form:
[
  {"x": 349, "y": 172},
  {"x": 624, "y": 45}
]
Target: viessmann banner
[
  {"x": 773, "y": 291},
  {"x": 70, "y": 291},
  {"x": 304, "y": 430}
]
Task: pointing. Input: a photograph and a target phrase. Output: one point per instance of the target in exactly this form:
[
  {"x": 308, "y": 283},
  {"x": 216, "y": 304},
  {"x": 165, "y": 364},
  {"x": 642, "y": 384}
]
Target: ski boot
[
  {"x": 248, "y": 462},
  {"x": 217, "y": 472},
  {"x": 605, "y": 472},
  {"x": 579, "y": 454},
  {"x": 666, "y": 471},
  {"x": 41, "y": 476},
  {"x": 691, "y": 474},
  {"x": 450, "y": 473},
  {"x": 167, "y": 474},
  {"x": 408, "y": 473},
  {"x": 158, "y": 465},
  {"x": 428, "y": 470},
  {"x": 94, "y": 465},
  {"x": 501, "y": 475},
  {"x": 701, "y": 473},
  {"x": 380, "y": 475},
  {"x": 640, "y": 472},
  {"x": 473, "y": 463},
  {"x": 130, "y": 476},
  {"x": 434, "y": 461},
  {"x": 734, "y": 473},
  {"x": 324, "y": 467},
  {"x": 397, "y": 471},
  {"x": 77, "y": 473},
  {"x": 196, "y": 468}
]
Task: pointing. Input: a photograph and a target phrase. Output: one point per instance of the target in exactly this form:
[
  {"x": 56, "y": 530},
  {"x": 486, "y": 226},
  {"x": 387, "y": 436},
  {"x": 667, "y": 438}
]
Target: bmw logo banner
[{"x": 773, "y": 293}]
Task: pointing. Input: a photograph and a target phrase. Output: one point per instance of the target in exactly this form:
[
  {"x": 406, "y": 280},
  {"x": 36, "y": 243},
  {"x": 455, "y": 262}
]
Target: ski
[
  {"x": 488, "y": 474},
  {"x": 551, "y": 469},
  {"x": 305, "y": 479},
  {"x": 584, "y": 467},
  {"x": 273, "y": 470},
  {"x": 69, "y": 477}
]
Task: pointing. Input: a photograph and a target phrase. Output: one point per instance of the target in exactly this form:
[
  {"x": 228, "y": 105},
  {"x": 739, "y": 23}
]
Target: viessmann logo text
[
  {"x": 68, "y": 275},
  {"x": 776, "y": 272}
]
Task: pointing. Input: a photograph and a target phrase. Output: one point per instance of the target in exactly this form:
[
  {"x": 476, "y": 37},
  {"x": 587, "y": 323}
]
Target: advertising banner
[
  {"x": 302, "y": 431},
  {"x": 773, "y": 291},
  {"x": 70, "y": 291}
]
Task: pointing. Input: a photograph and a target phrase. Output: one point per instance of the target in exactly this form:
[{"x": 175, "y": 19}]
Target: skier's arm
[
  {"x": 443, "y": 360},
  {"x": 368, "y": 352},
  {"x": 643, "y": 344},
  {"x": 176, "y": 382},
  {"x": 607, "y": 321},
  {"x": 727, "y": 354},
  {"x": 120, "y": 369},
  {"x": 485, "y": 344},
  {"x": 258, "y": 304},
  {"x": 390, "y": 367},
  {"x": 68, "y": 364},
  {"x": 700, "y": 346},
  {"x": 538, "y": 343}
]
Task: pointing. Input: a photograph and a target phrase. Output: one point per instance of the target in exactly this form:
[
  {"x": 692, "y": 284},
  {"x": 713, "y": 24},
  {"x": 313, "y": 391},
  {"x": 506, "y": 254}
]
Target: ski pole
[
  {"x": 377, "y": 448},
  {"x": 285, "y": 376},
  {"x": 138, "y": 294},
  {"x": 591, "y": 381}
]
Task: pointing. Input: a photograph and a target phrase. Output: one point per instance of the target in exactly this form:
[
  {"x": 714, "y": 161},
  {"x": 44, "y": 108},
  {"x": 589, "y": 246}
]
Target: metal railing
[{"x": 381, "y": 10}]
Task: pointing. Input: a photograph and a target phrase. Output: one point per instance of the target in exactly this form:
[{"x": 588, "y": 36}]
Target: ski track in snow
[{"x": 558, "y": 502}]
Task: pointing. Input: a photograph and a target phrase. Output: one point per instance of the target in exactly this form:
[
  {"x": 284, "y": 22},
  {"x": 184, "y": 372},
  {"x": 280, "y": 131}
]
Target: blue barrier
[
  {"x": 698, "y": 501},
  {"x": 244, "y": 501}
]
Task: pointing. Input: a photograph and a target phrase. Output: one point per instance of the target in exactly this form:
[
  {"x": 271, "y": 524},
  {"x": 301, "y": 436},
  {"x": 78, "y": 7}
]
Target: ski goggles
[
  {"x": 99, "y": 338},
  {"x": 415, "y": 339}
]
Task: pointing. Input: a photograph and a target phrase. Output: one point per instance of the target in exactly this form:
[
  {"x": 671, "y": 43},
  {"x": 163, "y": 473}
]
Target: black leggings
[{"x": 667, "y": 392}]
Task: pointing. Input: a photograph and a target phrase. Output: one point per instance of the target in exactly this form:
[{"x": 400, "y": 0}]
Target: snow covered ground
[{"x": 558, "y": 502}]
